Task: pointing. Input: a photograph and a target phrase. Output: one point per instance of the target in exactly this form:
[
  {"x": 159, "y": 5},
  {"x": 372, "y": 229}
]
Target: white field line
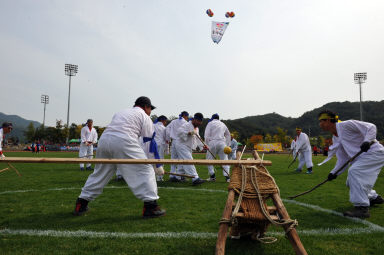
[
  {"x": 371, "y": 227},
  {"x": 94, "y": 234}
]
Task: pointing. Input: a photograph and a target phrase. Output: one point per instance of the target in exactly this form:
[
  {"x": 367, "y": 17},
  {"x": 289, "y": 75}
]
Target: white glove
[
  {"x": 2, "y": 156},
  {"x": 194, "y": 132},
  {"x": 159, "y": 170}
]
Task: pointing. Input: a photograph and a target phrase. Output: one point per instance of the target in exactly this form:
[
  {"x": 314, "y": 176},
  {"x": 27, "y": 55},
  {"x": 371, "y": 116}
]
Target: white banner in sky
[{"x": 218, "y": 29}]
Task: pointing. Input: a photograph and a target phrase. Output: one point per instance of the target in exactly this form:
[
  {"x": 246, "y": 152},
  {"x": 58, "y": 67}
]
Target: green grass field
[{"x": 35, "y": 214}]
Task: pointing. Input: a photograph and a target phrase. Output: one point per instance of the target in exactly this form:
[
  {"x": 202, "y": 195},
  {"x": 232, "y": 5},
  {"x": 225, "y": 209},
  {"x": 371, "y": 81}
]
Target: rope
[
  {"x": 225, "y": 221},
  {"x": 265, "y": 239},
  {"x": 282, "y": 222}
]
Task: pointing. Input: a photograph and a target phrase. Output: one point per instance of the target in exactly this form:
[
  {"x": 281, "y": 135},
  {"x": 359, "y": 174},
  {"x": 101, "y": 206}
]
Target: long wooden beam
[{"x": 133, "y": 161}]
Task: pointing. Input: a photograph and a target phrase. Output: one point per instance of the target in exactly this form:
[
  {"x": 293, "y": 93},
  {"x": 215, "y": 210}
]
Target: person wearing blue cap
[
  {"x": 123, "y": 139},
  {"x": 171, "y": 135},
  {"x": 217, "y": 136},
  {"x": 184, "y": 143}
]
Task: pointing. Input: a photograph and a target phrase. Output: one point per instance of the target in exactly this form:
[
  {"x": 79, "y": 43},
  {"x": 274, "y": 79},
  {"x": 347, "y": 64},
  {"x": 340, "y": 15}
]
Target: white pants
[
  {"x": 184, "y": 152},
  {"x": 217, "y": 148},
  {"x": 140, "y": 178},
  {"x": 85, "y": 152},
  {"x": 305, "y": 157},
  {"x": 161, "y": 149},
  {"x": 232, "y": 155},
  {"x": 362, "y": 176},
  {"x": 173, "y": 156}
]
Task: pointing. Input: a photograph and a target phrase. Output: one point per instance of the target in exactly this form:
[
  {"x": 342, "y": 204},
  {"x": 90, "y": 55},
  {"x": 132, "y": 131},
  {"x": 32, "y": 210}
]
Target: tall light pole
[
  {"x": 360, "y": 78},
  {"x": 45, "y": 101},
  {"x": 70, "y": 70}
]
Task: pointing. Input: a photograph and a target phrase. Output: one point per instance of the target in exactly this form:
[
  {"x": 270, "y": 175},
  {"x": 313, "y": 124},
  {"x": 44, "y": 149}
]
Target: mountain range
[
  {"x": 373, "y": 112},
  {"x": 19, "y": 124}
]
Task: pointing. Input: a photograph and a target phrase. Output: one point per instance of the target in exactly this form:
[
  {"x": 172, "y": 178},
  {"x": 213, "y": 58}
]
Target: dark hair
[
  {"x": 89, "y": 120},
  {"x": 144, "y": 101},
  {"x": 198, "y": 116},
  {"x": 332, "y": 116},
  {"x": 215, "y": 116},
  {"x": 6, "y": 124},
  {"x": 161, "y": 118},
  {"x": 184, "y": 113}
]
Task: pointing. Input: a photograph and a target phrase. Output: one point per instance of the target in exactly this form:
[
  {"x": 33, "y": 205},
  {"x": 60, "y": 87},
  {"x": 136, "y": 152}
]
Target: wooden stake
[
  {"x": 223, "y": 230},
  {"x": 292, "y": 235},
  {"x": 3, "y": 170}
]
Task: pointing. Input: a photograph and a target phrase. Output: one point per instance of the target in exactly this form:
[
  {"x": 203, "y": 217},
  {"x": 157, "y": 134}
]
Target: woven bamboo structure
[{"x": 246, "y": 211}]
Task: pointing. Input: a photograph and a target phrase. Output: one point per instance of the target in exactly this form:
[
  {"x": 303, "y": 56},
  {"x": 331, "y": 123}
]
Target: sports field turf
[{"x": 35, "y": 214}]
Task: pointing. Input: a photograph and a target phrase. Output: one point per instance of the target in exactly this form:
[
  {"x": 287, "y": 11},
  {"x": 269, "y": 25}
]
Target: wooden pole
[
  {"x": 292, "y": 235},
  {"x": 223, "y": 230},
  {"x": 224, "y": 226},
  {"x": 184, "y": 175},
  {"x": 133, "y": 161}
]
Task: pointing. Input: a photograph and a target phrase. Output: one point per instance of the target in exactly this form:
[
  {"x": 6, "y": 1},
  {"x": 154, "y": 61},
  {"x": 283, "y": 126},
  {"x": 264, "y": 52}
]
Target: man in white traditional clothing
[
  {"x": 184, "y": 143},
  {"x": 303, "y": 147},
  {"x": 217, "y": 137},
  {"x": 6, "y": 128},
  {"x": 233, "y": 145},
  {"x": 350, "y": 137},
  {"x": 171, "y": 135},
  {"x": 160, "y": 138},
  {"x": 88, "y": 139},
  {"x": 123, "y": 139},
  {"x": 293, "y": 146}
]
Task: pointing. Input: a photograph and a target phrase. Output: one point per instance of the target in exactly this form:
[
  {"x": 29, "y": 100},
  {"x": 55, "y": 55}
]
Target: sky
[{"x": 279, "y": 56}]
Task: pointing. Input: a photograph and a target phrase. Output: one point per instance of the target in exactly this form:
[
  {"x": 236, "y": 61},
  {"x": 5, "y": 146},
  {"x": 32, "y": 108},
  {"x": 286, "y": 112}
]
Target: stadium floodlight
[
  {"x": 360, "y": 78},
  {"x": 45, "y": 101},
  {"x": 70, "y": 70}
]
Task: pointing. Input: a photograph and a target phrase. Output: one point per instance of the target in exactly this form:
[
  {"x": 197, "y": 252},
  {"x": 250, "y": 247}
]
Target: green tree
[
  {"x": 30, "y": 132},
  {"x": 268, "y": 138},
  {"x": 281, "y": 135}
]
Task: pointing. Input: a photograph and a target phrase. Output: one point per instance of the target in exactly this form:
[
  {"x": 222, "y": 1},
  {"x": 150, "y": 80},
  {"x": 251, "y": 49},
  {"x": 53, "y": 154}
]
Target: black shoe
[
  {"x": 358, "y": 212},
  {"x": 227, "y": 179},
  {"x": 378, "y": 200},
  {"x": 198, "y": 181},
  {"x": 89, "y": 168},
  {"x": 152, "y": 210},
  {"x": 174, "y": 179},
  {"x": 212, "y": 178},
  {"x": 81, "y": 207}
]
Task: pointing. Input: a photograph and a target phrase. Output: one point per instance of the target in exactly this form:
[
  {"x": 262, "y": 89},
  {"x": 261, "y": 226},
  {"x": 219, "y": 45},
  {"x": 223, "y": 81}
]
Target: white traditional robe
[
  {"x": 122, "y": 139},
  {"x": 217, "y": 136},
  {"x": 171, "y": 134},
  {"x": 304, "y": 148},
  {"x": 86, "y": 151},
  {"x": 184, "y": 144},
  {"x": 364, "y": 170},
  {"x": 233, "y": 146}
]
